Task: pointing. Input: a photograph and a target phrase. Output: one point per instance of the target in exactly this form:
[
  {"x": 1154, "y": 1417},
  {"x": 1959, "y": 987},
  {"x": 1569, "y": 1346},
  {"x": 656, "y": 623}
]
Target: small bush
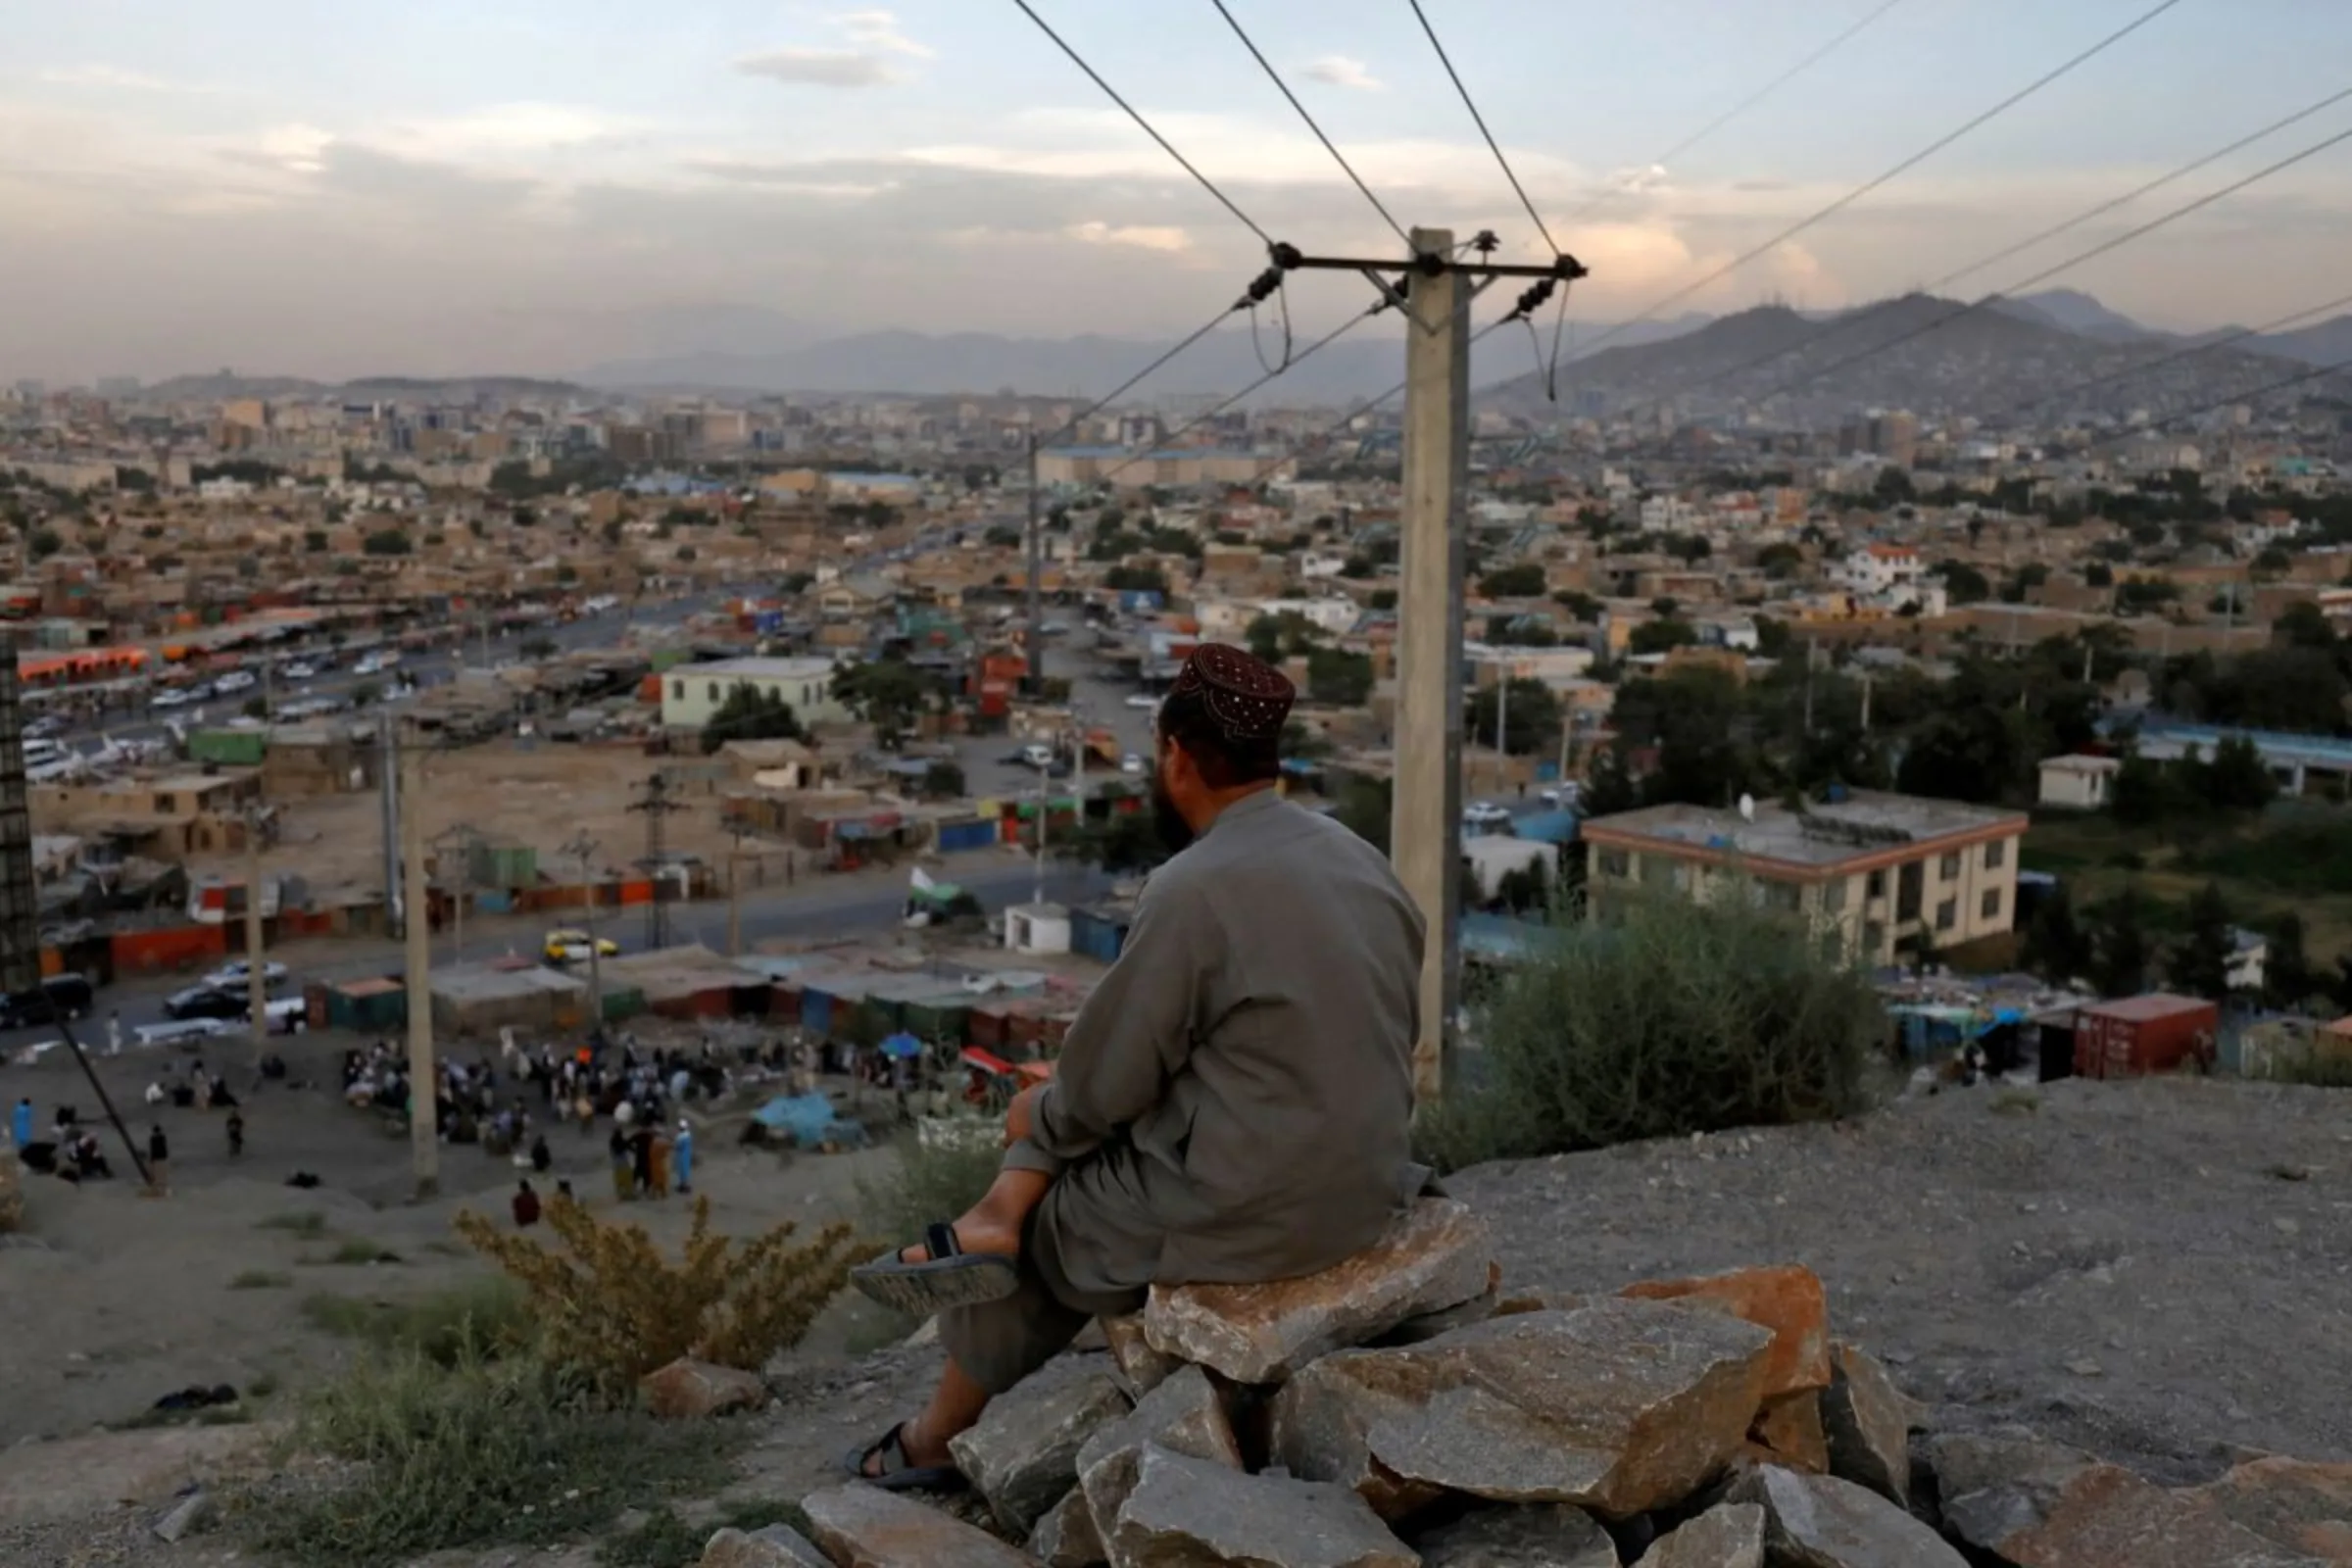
[
  {"x": 484, "y": 1319},
  {"x": 1675, "y": 1018},
  {"x": 611, "y": 1308},
  {"x": 934, "y": 1182},
  {"x": 260, "y": 1279},
  {"x": 2317, "y": 1072},
  {"x": 501, "y": 1452},
  {"x": 307, "y": 1223},
  {"x": 358, "y": 1249}
]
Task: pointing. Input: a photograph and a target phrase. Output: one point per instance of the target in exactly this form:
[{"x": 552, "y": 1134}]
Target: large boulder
[
  {"x": 1790, "y": 1302},
  {"x": 1186, "y": 1414},
  {"x": 688, "y": 1390},
  {"x": 1023, "y": 1456},
  {"x": 1789, "y": 1432},
  {"x": 864, "y": 1527},
  {"x": 1729, "y": 1537},
  {"x": 1067, "y": 1537},
  {"x": 1437, "y": 1256},
  {"x": 776, "y": 1547},
  {"x": 1548, "y": 1535},
  {"x": 2301, "y": 1506},
  {"x": 2051, "y": 1507},
  {"x": 1823, "y": 1522},
  {"x": 1192, "y": 1513},
  {"x": 1867, "y": 1422},
  {"x": 1144, "y": 1368},
  {"x": 1620, "y": 1406},
  {"x": 1997, "y": 1484}
]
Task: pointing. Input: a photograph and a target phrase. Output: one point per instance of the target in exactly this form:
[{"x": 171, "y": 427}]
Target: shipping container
[
  {"x": 970, "y": 833},
  {"x": 161, "y": 950},
  {"x": 2156, "y": 1033}
]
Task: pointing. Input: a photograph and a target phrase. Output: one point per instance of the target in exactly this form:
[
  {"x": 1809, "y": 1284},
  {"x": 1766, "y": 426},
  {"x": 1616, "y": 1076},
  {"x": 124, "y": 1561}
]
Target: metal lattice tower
[
  {"x": 20, "y": 897},
  {"x": 657, "y": 807}
]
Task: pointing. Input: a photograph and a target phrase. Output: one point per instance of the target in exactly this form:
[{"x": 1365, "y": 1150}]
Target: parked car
[
  {"x": 205, "y": 1001},
  {"x": 179, "y": 1031},
  {"x": 232, "y": 975},
  {"x": 1484, "y": 814},
  {"x": 1131, "y": 763},
  {"x": 300, "y": 669},
  {"x": 569, "y": 946},
  {"x": 287, "y": 1015},
  {"x": 60, "y": 996},
  {"x": 236, "y": 680},
  {"x": 1143, "y": 701}
]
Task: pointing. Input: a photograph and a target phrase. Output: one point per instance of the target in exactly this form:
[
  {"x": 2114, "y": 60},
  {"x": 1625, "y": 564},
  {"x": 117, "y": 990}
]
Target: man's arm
[{"x": 1134, "y": 1033}]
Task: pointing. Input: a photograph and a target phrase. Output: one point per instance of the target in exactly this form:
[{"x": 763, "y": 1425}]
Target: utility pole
[
  {"x": 580, "y": 849},
  {"x": 257, "y": 987},
  {"x": 657, "y": 807},
  {"x": 1034, "y": 640},
  {"x": 1424, "y": 824},
  {"x": 424, "y": 1078},
  {"x": 1502, "y": 730},
  {"x": 735, "y": 897},
  {"x": 389, "y": 782}
]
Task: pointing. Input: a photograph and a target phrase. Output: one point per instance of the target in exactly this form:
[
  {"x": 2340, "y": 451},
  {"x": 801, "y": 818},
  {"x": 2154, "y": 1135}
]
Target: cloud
[
  {"x": 111, "y": 78},
  {"x": 1339, "y": 71},
  {"x": 875, "y": 43},
  {"x": 822, "y": 68},
  {"x": 1142, "y": 236},
  {"x": 504, "y": 130}
]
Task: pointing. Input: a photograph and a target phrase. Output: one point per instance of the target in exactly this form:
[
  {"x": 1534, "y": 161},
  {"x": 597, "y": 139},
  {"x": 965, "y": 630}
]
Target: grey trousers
[{"x": 998, "y": 1343}]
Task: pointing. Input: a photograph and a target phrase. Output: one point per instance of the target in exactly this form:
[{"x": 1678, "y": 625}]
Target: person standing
[
  {"x": 236, "y": 1135},
  {"x": 682, "y": 1156},
  {"x": 526, "y": 1206},
  {"x": 114, "y": 1033},
  {"x": 159, "y": 1159},
  {"x": 20, "y": 1123}
]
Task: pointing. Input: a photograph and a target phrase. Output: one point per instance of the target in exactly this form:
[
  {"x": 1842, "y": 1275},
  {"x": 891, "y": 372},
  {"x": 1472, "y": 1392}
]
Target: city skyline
[{"x": 527, "y": 189}]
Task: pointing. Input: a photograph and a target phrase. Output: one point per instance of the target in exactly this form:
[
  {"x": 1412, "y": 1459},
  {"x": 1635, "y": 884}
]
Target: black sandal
[
  {"x": 896, "y": 1475},
  {"x": 949, "y": 1277}
]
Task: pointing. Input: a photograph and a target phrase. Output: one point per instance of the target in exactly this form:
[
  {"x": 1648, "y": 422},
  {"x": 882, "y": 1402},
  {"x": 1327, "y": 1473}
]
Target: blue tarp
[
  {"x": 903, "y": 1044},
  {"x": 805, "y": 1117}
]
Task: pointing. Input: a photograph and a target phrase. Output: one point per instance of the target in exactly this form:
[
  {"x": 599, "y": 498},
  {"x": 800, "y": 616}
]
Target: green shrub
[
  {"x": 482, "y": 1454},
  {"x": 935, "y": 1182},
  {"x": 258, "y": 1279},
  {"x": 486, "y": 1317},
  {"x": 1674, "y": 1019},
  {"x": 306, "y": 1223},
  {"x": 2317, "y": 1072}
]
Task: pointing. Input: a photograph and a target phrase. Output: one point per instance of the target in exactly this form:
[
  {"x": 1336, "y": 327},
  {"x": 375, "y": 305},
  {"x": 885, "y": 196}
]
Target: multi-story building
[
  {"x": 692, "y": 693},
  {"x": 1884, "y": 871}
]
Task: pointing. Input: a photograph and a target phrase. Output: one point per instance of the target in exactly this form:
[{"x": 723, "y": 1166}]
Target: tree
[
  {"x": 1584, "y": 606},
  {"x": 44, "y": 543},
  {"x": 1338, "y": 678},
  {"x": 1363, "y": 808},
  {"x": 2098, "y": 574},
  {"x": 314, "y": 541},
  {"x": 386, "y": 542},
  {"x": 1382, "y": 599},
  {"x": 2121, "y": 952},
  {"x": 750, "y": 713},
  {"x": 1531, "y": 716},
  {"x": 1135, "y": 580},
  {"x": 1303, "y": 744},
  {"x": 1522, "y": 581},
  {"x": 2199, "y": 963},
  {"x": 538, "y": 648},
  {"x": 2055, "y": 947},
  {"x": 1125, "y": 841},
  {"x": 366, "y": 693},
  {"x": 889, "y": 694},
  {"x": 2237, "y": 779},
  {"x": 1661, "y": 636},
  {"x": 943, "y": 779},
  {"x": 2287, "y": 977},
  {"x": 1780, "y": 560},
  {"x": 1964, "y": 583},
  {"x": 1610, "y": 788}
]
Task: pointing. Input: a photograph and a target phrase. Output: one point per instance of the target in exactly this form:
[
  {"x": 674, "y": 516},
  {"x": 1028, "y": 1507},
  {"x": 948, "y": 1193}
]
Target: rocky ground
[{"x": 2159, "y": 1273}]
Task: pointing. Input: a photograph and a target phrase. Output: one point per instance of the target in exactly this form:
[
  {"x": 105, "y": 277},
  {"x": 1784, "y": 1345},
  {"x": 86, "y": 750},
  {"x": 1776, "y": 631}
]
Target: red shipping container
[{"x": 2154, "y": 1033}]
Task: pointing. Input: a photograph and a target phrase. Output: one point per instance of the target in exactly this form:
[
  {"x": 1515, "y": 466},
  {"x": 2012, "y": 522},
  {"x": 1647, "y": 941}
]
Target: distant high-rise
[{"x": 19, "y": 899}]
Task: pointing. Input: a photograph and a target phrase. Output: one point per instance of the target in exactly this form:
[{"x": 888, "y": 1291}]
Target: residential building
[
  {"x": 2078, "y": 783},
  {"x": 1884, "y": 871},
  {"x": 692, "y": 693}
]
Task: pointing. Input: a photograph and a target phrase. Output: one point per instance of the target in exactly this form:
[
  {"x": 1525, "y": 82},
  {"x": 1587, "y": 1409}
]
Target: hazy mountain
[
  {"x": 1362, "y": 364},
  {"x": 224, "y": 385},
  {"x": 2072, "y": 311},
  {"x": 1928, "y": 355},
  {"x": 2327, "y": 343}
]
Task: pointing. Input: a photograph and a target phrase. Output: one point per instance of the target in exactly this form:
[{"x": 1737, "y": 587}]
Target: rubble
[
  {"x": 1823, "y": 1522},
  {"x": 776, "y": 1547},
  {"x": 864, "y": 1527},
  {"x": 1553, "y": 1535},
  {"x": 688, "y": 1390},
  {"x": 1186, "y": 1512},
  {"x": 1868, "y": 1424},
  {"x": 1184, "y": 1415},
  {"x": 1023, "y": 1456}
]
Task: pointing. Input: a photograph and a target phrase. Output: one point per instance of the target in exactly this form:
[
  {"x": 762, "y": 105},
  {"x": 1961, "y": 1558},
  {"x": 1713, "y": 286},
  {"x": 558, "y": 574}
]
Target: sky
[{"x": 528, "y": 186}]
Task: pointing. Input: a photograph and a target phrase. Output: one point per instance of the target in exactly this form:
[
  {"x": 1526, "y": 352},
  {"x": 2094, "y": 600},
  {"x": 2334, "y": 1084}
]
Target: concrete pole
[
  {"x": 1033, "y": 642},
  {"x": 1425, "y": 823},
  {"x": 1502, "y": 731},
  {"x": 735, "y": 899},
  {"x": 424, "y": 1146},
  {"x": 256, "y": 989}
]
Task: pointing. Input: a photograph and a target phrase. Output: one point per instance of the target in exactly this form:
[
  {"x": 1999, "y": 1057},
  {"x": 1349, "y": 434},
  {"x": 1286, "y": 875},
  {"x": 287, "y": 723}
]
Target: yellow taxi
[{"x": 571, "y": 946}]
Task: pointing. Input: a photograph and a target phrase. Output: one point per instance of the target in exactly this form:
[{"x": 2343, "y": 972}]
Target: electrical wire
[
  {"x": 1128, "y": 385},
  {"x": 1908, "y": 164},
  {"x": 1492, "y": 145},
  {"x": 1282, "y": 294},
  {"x": 2340, "y": 367},
  {"x": 1150, "y": 130},
  {"x": 2190, "y": 352},
  {"x": 1276, "y": 77},
  {"x": 1666, "y": 158}
]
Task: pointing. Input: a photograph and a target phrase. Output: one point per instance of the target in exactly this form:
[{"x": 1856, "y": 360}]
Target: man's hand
[{"x": 1020, "y": 1117}]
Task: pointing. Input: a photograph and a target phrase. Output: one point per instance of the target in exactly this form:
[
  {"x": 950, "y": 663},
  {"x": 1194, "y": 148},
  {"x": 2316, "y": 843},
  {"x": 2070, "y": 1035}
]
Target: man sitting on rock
[{"x": 1232, "y": 1105}]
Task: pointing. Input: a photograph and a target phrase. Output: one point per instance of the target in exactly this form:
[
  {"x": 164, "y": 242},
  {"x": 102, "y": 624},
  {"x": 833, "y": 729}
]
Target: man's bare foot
[{"x": 976, "y": 1234}]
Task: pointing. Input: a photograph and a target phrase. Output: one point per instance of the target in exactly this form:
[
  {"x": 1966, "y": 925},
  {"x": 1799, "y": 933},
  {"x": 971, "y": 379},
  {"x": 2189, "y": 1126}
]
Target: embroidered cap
[{"x": 1246, "y": 698}]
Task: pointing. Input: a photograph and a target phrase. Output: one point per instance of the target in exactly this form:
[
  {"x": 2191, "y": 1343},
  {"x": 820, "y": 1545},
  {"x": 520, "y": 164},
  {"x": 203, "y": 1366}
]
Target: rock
[
  {"x": 1790, "y": 1430},
  {"x": 2103, "y": 1516},
  {"x": 2301, "y": 1506},
  {"x": 688, "y": 1390},
  {"x": 776, "y": 1547},
  {"x": 1192, "y": 1513},
  {"x": 1144, "y": 1368},
  {"x": 1549, "y": 1536},
  {"x": 864, "y": 1527},
  {"x": 184, "y": 1517},
  {"x": 1067, "y": 1537},
  {"x": 1823, "y": 1522},
  {"x": 1995, "y": 1484},
  {"x": 1023, "y": 1456},
  {"x": 1184, "y": 1415},
  {"x": 1868, "y": 1423},
  {"x": 1538, "y": 1300},
  {"x": 1620, "y": 1406},
  {"x": 1438, "y": 1255},
  {"x": 1429, "y": 1325},
  {"x": 1729, "y": 1537},
  {"x": 1790, "y": 1302}
]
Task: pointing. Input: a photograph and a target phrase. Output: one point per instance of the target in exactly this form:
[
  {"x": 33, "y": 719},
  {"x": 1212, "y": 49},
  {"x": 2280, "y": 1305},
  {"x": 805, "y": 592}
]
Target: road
[{"x": 826, "y": 906}]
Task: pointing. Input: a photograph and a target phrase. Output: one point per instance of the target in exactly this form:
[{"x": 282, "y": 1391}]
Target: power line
[
  {"x": 1902, "y": 168},
  {"x": 2071, "y": 262},
  {"x": 2266, "y": 389},
  {"x": 2189, "y": 353},
  {"x": 1140, "y": 376},
  {"x": 1133, "y": 114},
  {"x": 1492, "y": 145},
  {"x": 1667, "y": 158},
  {"x": 1276, "y": 77}
]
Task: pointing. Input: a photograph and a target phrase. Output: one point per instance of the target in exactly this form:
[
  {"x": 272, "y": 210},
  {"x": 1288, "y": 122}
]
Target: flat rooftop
[
  {"x": 756, "y": 668},
  {"x": 1865, "y": 825}
]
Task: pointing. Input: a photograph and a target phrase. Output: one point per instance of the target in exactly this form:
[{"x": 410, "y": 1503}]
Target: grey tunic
[{"x": 1233, "y": 1101}]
